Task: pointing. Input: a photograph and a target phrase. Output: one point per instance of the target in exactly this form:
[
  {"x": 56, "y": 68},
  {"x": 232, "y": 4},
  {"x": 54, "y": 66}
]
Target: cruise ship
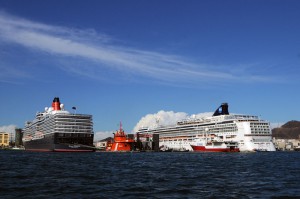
[
  {"x": 250, "y": 132},
  {"x": 58, "y": 130}
]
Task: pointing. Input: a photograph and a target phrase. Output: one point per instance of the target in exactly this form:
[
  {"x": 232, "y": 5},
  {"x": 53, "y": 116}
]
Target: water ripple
[{"x": 149, "y": 175}]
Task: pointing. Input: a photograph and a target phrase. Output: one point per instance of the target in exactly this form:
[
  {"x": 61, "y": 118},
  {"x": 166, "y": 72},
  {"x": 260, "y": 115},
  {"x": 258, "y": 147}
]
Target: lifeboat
[{"x": 120, "y": 142}]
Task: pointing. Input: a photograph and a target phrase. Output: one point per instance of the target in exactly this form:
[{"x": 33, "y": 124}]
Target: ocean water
[{"x": 149, "y": 175}]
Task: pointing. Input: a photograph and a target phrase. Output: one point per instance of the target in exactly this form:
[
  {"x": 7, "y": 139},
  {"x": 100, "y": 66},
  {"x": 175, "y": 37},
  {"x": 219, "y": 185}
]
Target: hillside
[
  {"x": 290, "y": 130},
  {"x": 107, "y": 139}
]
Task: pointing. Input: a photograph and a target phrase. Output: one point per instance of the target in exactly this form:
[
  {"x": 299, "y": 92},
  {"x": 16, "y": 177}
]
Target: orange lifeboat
[{"x": 121, "y": 142}]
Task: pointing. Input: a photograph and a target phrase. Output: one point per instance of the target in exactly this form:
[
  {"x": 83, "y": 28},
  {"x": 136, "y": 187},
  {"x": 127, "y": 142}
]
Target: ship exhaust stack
[
  {"x": 222, "y": 110},
  {"x": 56, "y": 104}
]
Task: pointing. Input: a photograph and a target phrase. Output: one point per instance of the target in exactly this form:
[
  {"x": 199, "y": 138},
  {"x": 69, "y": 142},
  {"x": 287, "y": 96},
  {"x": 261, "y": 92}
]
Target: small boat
[
  {"x": 120, "y": 142},
  {"x": 17, "y": 148},
  {"x": 297, "y": 148},
  {"x": 167, "y": 149},
  {"x": 214, "y": 145}
]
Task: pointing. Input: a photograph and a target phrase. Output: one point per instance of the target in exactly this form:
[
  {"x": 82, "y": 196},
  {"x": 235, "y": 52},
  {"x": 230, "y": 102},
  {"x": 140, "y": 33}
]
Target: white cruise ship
[
  {"x": 56, "y": 129},
  {"x": 250, "y": 132}
]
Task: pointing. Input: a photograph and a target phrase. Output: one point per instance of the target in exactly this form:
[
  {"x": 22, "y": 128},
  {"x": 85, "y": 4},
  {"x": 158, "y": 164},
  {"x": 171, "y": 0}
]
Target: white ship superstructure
[{"x": 251, "y": 132}]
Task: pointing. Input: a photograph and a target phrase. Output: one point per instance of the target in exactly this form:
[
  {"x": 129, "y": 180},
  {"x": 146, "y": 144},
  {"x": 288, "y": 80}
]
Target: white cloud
[
  {"x": 164, "y": 118},
  {"x": 97, "y": 48},
  {"x": 10, "y": 71}
]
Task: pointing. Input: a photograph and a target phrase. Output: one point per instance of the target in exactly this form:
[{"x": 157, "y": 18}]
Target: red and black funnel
[{"x": 56, "y": 104}]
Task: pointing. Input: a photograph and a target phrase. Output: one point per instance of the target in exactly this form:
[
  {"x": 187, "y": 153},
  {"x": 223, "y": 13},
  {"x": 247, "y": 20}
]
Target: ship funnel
[
  {"x": 222, "y": 110},
  {"x": 56, "y": 104}
]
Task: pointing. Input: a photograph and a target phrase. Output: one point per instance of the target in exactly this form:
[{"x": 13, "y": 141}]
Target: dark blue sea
[{"x": 149, "y": 175}]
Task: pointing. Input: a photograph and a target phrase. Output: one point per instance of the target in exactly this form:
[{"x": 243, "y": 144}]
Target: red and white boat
[{"x": 213, "y": 144}]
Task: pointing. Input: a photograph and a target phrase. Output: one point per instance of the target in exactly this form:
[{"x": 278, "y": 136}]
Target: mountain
[
  {"x": 290, "y": 130},
  {"x": 107, "y": 139}
]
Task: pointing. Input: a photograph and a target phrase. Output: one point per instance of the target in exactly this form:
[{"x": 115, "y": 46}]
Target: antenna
[{"x": 157, "y": 121}]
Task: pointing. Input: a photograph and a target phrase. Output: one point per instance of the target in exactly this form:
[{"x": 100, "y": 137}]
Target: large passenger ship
[
  {"x": 56, "y": 129},
  {"x": 250, "y": 132}
]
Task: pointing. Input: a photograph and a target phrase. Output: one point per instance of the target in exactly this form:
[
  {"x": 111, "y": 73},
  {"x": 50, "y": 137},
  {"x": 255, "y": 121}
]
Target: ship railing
[
  {"x": 37, "y": 137},
  {"x": 26, "y": 139},
  {"x": 242, "y": 117},
  {"x": 217, "y": 140},
  {"x": 259, "y": 134}
]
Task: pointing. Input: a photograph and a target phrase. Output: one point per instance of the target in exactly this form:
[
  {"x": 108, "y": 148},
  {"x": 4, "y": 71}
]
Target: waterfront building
[
  {"x": 287, "y": 144},
  {"x": 101, "y": 145},
  {"x": 18, "y": 137},
  {"x": 4, "y": 139}
]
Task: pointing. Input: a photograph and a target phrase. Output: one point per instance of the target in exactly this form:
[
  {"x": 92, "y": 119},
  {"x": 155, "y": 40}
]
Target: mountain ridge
[{"x": 290, "y": 130}]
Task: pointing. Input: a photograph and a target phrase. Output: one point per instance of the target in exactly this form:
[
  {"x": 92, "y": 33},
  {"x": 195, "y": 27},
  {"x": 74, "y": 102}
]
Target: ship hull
[
  {"x": 122, "y": 146},
  {"x": 214, "y": 149},
  {"x": 51, "y": 143}
]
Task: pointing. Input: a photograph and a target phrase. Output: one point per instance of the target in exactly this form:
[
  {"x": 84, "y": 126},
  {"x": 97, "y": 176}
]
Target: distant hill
[
  {"x": 290, "y": 130},
  {"x": 107, "y": 139}
]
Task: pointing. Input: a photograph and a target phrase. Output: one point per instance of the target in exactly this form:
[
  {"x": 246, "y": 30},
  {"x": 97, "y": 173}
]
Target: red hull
[
  {"x": 121, "y": 146},
  {"x": 204, "y": 149}
]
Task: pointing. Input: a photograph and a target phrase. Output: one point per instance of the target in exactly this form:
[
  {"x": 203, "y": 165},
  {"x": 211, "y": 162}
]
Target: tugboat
[{"x": 121, "y": 142}]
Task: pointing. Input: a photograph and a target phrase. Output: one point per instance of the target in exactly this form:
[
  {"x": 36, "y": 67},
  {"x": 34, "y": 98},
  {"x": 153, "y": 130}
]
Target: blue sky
[{"x": 121, "y": 60}]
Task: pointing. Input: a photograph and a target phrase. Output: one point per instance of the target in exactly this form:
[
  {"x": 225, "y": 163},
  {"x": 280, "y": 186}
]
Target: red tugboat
[{"x": 121, "y": 142}]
